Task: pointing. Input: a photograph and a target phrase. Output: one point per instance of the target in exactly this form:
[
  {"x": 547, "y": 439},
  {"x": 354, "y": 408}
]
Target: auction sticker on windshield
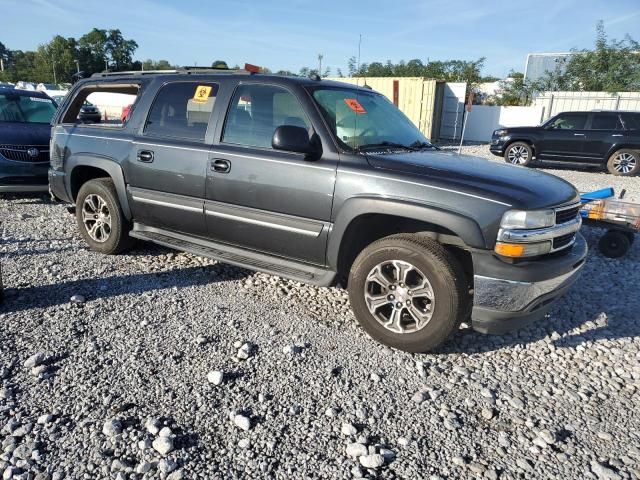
[
  {"x": 202, "y": 94},
  {"x": 354, "y": 105}
]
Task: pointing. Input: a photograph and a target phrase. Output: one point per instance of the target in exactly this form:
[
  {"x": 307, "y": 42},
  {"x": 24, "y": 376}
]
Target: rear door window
[
  {"x": 569, "y": 121},
  {"x": 257, "y": 110},
  {"x": 606, "y": 121},
  {"x": 182, "y": 110},
  {"x": 631, "y": 121}
]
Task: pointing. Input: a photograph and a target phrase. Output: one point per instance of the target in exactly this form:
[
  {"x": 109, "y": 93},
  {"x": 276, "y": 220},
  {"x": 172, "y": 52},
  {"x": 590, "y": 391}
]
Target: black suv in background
[
  {"x": 324, "y": 183},
  {"x": 602, "y": 138}
]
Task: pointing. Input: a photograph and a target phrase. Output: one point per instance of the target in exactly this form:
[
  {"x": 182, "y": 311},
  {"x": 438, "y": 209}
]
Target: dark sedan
[
  {"x": 610, "y": 139},
  {"x": 89, "y": 113},
  {"x": 25, "y": 130}
]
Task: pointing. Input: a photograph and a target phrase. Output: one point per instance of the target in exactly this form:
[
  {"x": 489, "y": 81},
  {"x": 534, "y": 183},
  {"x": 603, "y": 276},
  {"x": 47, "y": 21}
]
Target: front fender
[
  {"x": 464, "y": 227},
  {"x": 110, "y": 166}
]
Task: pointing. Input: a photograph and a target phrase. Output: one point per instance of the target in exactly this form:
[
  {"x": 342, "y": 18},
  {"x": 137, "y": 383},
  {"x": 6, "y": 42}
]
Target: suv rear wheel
[
  {"x": 624, "y": 163},
  {"x": 408, "y": 292},
  {"x": 100, "y": 218},
  {"x": 519, "y": 153}
]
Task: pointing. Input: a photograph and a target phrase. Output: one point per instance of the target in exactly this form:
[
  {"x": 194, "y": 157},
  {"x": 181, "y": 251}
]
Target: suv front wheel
[
  {"x": 100, "y": 218},
  {"x": 519, "y": 153},
  {"x": 408, "y": 292},
  {"x": 624, "y": 163}
]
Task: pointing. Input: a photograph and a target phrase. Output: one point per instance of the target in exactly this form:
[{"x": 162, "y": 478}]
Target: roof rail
[{"x": 184, "y": 70}]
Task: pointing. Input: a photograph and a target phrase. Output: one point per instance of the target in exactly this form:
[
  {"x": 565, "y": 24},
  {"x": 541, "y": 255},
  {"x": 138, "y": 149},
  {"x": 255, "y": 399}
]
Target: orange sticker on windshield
[{"x": 354, "y": 105}]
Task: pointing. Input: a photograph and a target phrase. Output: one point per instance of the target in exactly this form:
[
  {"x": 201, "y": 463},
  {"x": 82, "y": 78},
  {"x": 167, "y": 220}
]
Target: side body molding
[
  {"x": 108, "y": 165},
  {"x": 464, "y": 227}
]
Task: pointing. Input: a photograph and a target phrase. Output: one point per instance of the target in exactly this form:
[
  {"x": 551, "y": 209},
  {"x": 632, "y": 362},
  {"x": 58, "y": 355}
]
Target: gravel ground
[{"x": 159, "y": 364}]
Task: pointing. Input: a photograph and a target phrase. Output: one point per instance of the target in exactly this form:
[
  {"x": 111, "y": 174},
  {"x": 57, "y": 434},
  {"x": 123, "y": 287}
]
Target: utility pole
[
  {"x": 359, "y": 45},
  {"x": 1, "y": 65},
  {"x": 106, "y": 64},
  {"x": 77, "y": 62},
  {"x": 320, "y": 57},
  {"x": 53, "y": 64}
]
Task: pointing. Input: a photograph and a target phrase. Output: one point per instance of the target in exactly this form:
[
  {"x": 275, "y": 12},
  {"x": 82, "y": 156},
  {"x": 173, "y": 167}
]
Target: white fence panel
[
  {"x": 484, "y": 119},
  {"x": 557, "y": 102}
]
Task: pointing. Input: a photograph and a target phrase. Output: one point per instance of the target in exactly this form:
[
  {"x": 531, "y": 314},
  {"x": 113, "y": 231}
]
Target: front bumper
[
  {"x": 497, "y": 145},
  {"x": 510, "y": 296}
]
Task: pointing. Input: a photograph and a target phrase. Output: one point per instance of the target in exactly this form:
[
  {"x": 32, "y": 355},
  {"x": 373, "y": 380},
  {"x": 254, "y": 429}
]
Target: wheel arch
[
  {"x": 87, "y": 167},
  {"x": 362, "y": 221}
]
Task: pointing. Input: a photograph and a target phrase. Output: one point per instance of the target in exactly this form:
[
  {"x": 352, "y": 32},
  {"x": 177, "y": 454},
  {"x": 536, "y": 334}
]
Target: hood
[
  {"x": 519, "y": 129},
  {"x": 24, "y": 133},
  {"x": 520, "y": 187}
]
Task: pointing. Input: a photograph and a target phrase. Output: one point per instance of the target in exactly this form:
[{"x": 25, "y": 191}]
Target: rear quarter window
[{"x": 102, "y": 105}]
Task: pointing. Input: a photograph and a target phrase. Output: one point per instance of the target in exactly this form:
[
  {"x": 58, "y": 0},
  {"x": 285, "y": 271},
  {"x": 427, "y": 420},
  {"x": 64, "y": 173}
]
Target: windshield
[
  {"x": 25, "y": 109},
  {"x": 366, "y": 119}
]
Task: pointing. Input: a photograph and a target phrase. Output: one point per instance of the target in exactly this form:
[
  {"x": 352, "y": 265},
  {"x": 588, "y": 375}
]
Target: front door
[
  {"x": 264, "y": 199},
  {"x": 168, "y": 162},
  {"x": 563, "y": 139}
]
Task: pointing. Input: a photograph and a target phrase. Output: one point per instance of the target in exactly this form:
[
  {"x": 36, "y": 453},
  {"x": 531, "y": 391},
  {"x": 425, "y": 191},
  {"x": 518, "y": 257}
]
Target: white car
[{"x": 51, "y": 89}]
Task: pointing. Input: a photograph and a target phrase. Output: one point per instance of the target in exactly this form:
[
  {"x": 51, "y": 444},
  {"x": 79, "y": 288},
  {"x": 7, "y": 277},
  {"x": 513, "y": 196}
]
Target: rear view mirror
[{"x": 293, "y": 139}]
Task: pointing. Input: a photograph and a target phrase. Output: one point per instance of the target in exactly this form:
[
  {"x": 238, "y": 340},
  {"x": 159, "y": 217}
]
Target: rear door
[
  {"x": 604, "y": 130},
  {"x": 563, "y": 138},
  {"x": 263, "y": 199},
  {"x": 168, "y": 164}
]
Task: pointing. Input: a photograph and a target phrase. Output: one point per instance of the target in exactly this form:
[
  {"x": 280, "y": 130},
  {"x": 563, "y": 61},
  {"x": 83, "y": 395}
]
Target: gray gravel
[{"x": 160, "y": 364}]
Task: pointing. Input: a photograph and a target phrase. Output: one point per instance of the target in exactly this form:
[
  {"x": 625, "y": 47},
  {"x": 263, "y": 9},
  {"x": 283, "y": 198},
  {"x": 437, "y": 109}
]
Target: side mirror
[{"x": 293, "y": 139}]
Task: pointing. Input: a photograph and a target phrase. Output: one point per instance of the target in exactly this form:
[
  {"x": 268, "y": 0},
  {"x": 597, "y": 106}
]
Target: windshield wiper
[
  {"x": 369, "y": 146},
  {"x": 418, "y": 145}
]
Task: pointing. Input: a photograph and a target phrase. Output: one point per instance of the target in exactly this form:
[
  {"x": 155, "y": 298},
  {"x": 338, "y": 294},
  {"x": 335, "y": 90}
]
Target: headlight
[
  {"x": 500, "y": 133},
  {"x": 522, "y": 219}
]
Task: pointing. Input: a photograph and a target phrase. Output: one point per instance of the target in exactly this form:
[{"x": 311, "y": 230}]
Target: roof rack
[{"x": 184, "y": 70}]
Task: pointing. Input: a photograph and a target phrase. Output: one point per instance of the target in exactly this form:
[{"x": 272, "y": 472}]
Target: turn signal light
[
  {"x": 510, "y": 249},
  {"x": 518, "y": 250}
]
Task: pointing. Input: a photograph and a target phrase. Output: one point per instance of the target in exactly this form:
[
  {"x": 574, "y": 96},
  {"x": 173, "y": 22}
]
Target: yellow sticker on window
[{"x": 202, "y": 94}]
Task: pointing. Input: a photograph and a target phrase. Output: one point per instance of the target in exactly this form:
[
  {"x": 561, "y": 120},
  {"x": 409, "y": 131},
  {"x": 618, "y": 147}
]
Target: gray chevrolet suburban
[{"x": 324, "y": 183}]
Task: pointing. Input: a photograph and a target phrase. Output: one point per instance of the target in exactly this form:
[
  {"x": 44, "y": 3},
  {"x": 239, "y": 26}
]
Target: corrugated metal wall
[
  {"x": 556, "y": 102},
  {"x": 416, "y": 96}
]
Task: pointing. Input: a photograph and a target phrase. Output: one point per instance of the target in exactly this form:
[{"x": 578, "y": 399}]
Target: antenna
[{"x": 358, "y": 65}]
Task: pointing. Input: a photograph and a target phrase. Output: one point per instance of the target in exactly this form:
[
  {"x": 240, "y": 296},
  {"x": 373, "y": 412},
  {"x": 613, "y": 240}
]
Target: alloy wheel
[
  {"x": 399, "y": 296},
  {"x": 518, "y": 155},
  {"x": 96, "y": 218},
  {"x": 624, "y": 162}
]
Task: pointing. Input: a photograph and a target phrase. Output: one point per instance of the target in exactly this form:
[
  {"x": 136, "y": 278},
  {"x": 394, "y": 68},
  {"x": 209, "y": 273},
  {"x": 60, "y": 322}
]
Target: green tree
[
  {"x": 219, "y": 64},
  {"x": 159, "y": 65},
  {"x": 120, "y": 50},
  {"x": 513, "y": 91},
  {"x": 612, "y": 66}
]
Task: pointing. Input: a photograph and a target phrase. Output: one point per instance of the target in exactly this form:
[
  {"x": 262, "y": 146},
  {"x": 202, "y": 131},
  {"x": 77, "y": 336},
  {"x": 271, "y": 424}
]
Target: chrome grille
[
  {"x": 566, "y": 214},
  {"x": 20, "y": 153}
]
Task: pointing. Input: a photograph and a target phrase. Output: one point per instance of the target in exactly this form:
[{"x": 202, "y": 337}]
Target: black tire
[
  {"x": 631, "y": 236},
  {"x": 117, "y": 240},
  {"x": 444, "y": 274},
  {"x": 614, "y": 244},
  {"x": 624, "y": 163},
  {"x": 519, "y": 153}
]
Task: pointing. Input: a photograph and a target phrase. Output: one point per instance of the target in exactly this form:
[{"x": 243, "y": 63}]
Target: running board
[{"x": 300, "y": 272}]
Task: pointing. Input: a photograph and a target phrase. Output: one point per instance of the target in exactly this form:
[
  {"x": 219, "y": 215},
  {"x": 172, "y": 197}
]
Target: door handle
[
  {"x": 145, "y": 156},
  {"x": 578, "y": 134},
  {"x": 617, "y": 135},
  {"x": 220, "y": 165}
]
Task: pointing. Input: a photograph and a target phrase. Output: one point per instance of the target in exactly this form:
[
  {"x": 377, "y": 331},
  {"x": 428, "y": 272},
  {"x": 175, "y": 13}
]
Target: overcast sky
[{"x": 289, "y": 34}]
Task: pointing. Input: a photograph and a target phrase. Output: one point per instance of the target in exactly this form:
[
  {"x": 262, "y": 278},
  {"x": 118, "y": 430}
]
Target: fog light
[{"x": 518, "y": 250}]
